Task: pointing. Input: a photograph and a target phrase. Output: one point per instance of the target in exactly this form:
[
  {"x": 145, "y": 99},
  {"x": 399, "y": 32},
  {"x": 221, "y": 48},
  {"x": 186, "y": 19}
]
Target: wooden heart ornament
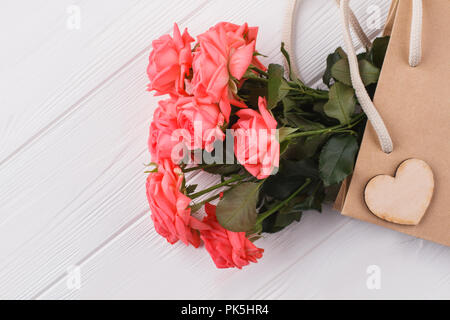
[{"x": 402, "y": 199}]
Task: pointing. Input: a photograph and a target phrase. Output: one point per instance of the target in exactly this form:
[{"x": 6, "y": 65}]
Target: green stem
[
  {"x": 201, "y": 203},
  {"x": 264, "y": 80},
  {"x": 335, "y": 129},
  {"x": 274, "y": 209},
  {"x": 222, "y": 184},
  {"x": 346, "y": 131},
  {"x": 313, "y": 93},
  {"x": 300, "y": 98},
  {"x": 252, "y": 67},
  {"x": 199, "y": 167},
  {"x": 318, "y": 94}
]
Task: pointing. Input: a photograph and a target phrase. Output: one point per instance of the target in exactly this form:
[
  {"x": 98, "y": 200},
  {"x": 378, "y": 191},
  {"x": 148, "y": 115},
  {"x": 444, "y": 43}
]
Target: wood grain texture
[
  {"x": 58, "y": 68},
  {"x": 73, "y": 130}
]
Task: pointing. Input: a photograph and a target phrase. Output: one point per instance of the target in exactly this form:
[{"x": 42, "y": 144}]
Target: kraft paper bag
[{"x": 415, "y": 106}]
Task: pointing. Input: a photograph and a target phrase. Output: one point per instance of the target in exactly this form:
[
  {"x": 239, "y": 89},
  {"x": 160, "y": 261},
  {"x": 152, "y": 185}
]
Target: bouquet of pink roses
[{"x": 278, "y": 146}]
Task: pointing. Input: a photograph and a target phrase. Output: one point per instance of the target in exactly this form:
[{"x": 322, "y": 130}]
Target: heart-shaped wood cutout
[{"x": 402, "y": 199}]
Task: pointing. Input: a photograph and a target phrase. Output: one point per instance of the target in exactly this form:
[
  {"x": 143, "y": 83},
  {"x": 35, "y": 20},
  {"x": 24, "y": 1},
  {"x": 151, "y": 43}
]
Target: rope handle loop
[{"x": 348, "y": 18}]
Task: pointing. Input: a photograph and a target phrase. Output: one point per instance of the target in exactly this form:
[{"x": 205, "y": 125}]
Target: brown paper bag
[{"x": 415, "y": 106}]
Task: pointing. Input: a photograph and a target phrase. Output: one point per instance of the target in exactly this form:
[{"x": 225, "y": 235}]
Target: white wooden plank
[
  {"x": 141, "y": 265},
  {"x": 318, "y": 31},
  {"x": 57, "y": 67},
  {"x": 410, "y": 268},
  {"x": 49, "y": 69},
  {"x": 325, "y": 256},
  {"x": 78, "y": 185}
]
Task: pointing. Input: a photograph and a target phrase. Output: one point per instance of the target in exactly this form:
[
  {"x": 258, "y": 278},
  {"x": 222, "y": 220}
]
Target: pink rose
[
  {"x": 201, "y": 122},
  {"x": 224, "y": 50},
  {"x": 169, "y": 207},
  {"x": 256, "y": 145},
  {"x": 227, "y": 249},
  {"x": 170, "y": 62},
  {"x": 160, "y": 141}
]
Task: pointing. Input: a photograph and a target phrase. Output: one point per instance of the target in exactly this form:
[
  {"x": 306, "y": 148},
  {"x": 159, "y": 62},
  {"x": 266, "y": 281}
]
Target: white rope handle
[
  {"x": 365, "y": 41},
  {"x": 360, "y": 90},
  {"x": 347, "y": 18},
  {"x": 415, "y": 40},
  {"x": 288, "y": 32}
]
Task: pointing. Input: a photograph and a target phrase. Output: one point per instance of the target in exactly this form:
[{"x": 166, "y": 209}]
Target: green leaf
[
  {"x": 304, "y": 168},
  {"x": 337, "y": 158},
  {"x": 284, "y": 132},
  {"x": 341, "y": 52},
  {"x": 251, "y": 90},
  {"x": 288, "y": 105},
  {"x": 153, "y": 167},
  {"x": 304, "y": 124},
  {"x": 236, "y": 211},
  {"x": 331, "y": 193},
  {"x": 284, "y": 145},
  {"x": 378, "y": 51},
  {"x": 341, "y": 72},
  {"x": 223, "y": 169},
  {"x": 255, "y": 233},
  {"x": 277, "y": 87},
  {"x": 257, "y": 54},
  {"x": 331, "y": 60},
  {"x": 288, "y": 60},
  {"x": 312, "y": 202},
  {"x": 318, "y": 107},
  {"x": 196, "y": 206},
  {"x": 369, "y": 73},
  {"x": 249, "y": 74},
  {"x": 341, "y": 104},
  {"x": 191, "y": 188},
  {"x": 291, "y": 175},
  {"x": 305, "y": 147},
  {"x": 362, "y": 56},
  {"x": 279, "y": 221},
  {"x": 283, "y": 219}
]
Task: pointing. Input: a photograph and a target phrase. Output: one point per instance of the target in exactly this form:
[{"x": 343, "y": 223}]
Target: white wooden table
[{"x": 74, "y": 117}]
